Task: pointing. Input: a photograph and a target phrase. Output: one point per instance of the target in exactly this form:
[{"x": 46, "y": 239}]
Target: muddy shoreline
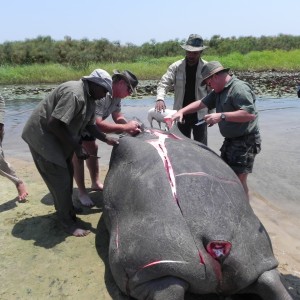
[{"x": 272, "y": 84}]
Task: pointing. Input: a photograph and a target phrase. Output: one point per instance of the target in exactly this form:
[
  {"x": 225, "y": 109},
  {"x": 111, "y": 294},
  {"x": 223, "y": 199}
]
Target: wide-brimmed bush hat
[
  {"x": 128, "y": 76},
  {"x": 211, "y": 68},
  {"x": 100, "y": 77},
  {"x": 194, "y": 43}
]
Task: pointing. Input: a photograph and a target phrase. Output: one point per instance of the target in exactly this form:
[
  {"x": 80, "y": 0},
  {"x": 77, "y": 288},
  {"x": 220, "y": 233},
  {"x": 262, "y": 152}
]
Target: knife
[{"x": 200, "y": 122}]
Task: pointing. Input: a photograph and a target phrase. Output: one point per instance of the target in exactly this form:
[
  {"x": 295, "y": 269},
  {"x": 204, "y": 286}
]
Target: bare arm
[
  {"x": 110, "y": 127},
  {"x": 191, "y": 108},
  {"x": 120, "y": 125},
  {"x": 238, "y": 116}
]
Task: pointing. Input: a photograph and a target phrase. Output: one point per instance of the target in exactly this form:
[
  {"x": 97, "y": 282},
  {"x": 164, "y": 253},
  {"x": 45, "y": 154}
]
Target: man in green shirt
[
  {"x": 236, "y": 115},
  {"x": 53, "y": 134}
]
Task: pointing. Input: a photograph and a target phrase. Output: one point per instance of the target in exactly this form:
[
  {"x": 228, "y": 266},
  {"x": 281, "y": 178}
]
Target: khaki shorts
[{"x": 239, "y": 153}]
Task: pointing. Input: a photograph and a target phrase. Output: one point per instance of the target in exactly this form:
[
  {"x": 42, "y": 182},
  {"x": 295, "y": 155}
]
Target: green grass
[
  {"x": 148, "y": 69},
  {"x": 261, "y": 61}
]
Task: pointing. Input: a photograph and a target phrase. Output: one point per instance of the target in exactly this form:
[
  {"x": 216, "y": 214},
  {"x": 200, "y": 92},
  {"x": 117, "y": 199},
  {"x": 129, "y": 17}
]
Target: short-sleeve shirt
[
  {"x": 104, "y": 108},
  {"x": 236, "y": 95},
  {"x": 71, "y": 104},
  {"x": 107, "y": 105}
]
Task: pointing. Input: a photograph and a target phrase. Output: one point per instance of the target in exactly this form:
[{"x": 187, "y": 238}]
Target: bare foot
[
  {"x": 85, "y": 200},
  {"x": 97, "y": 186},
  {"x": 78, "y": 232},
  {"x": 22, "y": 191}
]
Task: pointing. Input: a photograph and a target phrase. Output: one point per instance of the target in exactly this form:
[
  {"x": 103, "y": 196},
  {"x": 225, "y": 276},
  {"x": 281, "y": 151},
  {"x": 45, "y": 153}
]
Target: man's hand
[
  {"x": 177, "y": 117},
  {"x": 212, "y": 119},
  {"x": 132, "y": 127},
  {"x": 160, "y": 105},
  {"x": 111, "y": 141},
  {"x": 81, "y": 153}
]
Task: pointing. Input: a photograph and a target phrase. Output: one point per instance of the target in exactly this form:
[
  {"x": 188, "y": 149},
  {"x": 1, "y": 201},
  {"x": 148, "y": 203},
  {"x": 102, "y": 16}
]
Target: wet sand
[{"x": 40, "y": 261}]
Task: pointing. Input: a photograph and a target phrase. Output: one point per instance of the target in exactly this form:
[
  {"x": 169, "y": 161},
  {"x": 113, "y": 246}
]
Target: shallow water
[
  {"x": 276, "y": 171},
  {"x": 19, "y": 107}
]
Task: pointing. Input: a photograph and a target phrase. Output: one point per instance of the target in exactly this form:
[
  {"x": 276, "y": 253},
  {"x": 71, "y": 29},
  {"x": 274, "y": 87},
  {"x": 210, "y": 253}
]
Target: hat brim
[
  {"x": 193, "y": 49},
  {"x": 213, "y": 73},
  {"x": 99, "y": 81}
]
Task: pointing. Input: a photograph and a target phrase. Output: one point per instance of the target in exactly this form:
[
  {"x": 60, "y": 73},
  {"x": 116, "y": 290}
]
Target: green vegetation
[
  {"x": 43, "y": 60},
  {"x": 279, "y": 60}
]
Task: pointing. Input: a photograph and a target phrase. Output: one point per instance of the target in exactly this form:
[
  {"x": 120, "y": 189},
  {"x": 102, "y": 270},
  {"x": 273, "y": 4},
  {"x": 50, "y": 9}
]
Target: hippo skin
[{"x": 179, "y": 221}]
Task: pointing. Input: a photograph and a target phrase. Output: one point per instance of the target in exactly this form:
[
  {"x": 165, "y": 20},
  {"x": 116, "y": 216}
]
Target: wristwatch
[{"x": 223, "y": 117}]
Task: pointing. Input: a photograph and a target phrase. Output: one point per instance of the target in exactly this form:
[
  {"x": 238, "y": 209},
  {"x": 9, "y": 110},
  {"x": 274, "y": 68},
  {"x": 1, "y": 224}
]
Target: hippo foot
[{"x": 269, "y": 286}]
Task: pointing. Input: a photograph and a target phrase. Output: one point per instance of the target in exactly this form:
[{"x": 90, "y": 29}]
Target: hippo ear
[{"x": 219, "y": 250}]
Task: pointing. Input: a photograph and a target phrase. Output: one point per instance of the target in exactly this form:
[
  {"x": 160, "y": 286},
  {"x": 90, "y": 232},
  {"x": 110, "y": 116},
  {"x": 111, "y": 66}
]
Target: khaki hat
[
  {"x": 194, "y": 43},
  {"x": 101, "y": 78},
  {"x": 211, "y": 68},
  {"x": 129, "y": 77}
]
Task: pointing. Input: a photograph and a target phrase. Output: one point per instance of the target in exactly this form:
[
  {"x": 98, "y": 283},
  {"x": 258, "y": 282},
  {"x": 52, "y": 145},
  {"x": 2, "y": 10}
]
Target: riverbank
[{"x": 273, "y": 84}]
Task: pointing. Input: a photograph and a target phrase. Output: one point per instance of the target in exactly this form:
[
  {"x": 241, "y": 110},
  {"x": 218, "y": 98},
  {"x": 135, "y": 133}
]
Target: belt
[{"x": 244, "y": 137}]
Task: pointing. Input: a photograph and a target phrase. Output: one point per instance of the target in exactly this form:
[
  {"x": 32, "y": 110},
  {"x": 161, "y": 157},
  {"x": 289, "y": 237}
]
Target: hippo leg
[
  {"x": 166, "y": 288},
  {"x": 269, "y": 286}
]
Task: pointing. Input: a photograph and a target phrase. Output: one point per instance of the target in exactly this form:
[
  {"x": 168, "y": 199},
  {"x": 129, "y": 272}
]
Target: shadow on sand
[{"x": 45, "y": 230}]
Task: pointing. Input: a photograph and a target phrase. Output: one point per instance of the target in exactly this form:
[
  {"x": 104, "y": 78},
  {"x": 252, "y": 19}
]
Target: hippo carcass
[{"x": 179, "y": 221}]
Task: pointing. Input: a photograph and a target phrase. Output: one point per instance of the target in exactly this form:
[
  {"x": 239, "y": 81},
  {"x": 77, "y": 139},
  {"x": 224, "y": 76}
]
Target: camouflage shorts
[{"x": 239, "y": 153}]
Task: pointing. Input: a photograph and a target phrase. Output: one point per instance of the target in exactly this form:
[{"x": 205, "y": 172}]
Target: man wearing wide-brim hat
[
  {"x": 185, "y": 77},
  {"x": 236, "y": 115},
  {"x": 124, "y": 84},
  {"x": 53, "y": 134}
]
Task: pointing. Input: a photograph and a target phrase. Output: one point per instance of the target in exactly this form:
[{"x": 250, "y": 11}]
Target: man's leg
[
  {"x": 59, "y": 181},
  {"x": 93, "y": 164},
  {"x": 83, "y": 196},
  {"x": 239, "y": 155}
]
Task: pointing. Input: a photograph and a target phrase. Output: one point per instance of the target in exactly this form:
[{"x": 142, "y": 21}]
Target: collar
[{"x": 86, "y": 87}]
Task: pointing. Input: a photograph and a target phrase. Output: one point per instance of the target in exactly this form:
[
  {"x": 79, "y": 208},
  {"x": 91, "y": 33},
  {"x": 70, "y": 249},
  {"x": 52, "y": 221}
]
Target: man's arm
[
  {"x": 165, "y": 83},
  {"x": 93, "y": 129},
  {"x": 120, "y": 125},
  {"x": 110, "y": 127},
  {"x": 191, "y": 108},
  {"x": 238, "y": 116}
]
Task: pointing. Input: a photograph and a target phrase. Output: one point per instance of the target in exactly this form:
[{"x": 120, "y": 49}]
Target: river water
[{"x": 276, "y": 175}]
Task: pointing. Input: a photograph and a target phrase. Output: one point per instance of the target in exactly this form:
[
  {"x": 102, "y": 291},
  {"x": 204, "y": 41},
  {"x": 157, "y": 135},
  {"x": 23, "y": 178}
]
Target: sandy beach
[{"x": 40, "y": 261}]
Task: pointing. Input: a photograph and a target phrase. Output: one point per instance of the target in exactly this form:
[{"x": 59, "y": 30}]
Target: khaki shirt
[
  {"x": 176, "y": 76},
  {"x": 69, "y": 103}
]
